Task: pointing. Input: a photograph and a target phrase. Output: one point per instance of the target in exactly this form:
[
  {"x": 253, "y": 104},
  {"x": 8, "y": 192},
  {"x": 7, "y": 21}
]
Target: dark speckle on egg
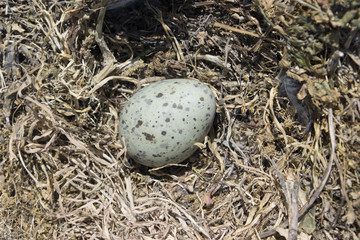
[
  {"x": 159, "y": 95},
  {"x": 139, "y": 123},
  {"x": 184, "y": 150},
  {"x": 148, "y": 136}
]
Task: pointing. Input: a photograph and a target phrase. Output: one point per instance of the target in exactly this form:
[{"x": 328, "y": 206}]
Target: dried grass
[{"x": 64, "y": 173}]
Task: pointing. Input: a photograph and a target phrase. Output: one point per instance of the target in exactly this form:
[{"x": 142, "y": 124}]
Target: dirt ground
[{"x": 282, "y": 160}]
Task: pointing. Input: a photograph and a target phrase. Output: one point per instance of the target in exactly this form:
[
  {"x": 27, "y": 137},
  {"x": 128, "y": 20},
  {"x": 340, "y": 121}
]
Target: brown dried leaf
[{"x": 321, "y": 91}]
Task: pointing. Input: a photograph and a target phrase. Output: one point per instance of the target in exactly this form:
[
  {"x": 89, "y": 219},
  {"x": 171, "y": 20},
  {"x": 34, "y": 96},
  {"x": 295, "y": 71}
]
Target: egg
[{"x": 161, "y": 122}]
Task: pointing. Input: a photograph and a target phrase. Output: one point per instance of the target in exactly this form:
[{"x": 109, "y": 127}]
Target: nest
[{"x": 281, "y": 162}]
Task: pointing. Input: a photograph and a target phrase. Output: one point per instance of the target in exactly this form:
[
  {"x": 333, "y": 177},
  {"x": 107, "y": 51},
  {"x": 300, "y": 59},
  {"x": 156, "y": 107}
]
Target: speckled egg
[{"x": 162, "y": 121}]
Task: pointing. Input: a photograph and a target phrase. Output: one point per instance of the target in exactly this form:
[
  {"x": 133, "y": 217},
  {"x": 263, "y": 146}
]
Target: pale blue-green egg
[{"x": 161, "y": 122}]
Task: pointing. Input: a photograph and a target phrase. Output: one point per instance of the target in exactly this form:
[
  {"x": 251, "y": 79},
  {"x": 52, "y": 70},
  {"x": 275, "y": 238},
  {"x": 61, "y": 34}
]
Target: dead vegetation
[{"x": 281, "y": 162}]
